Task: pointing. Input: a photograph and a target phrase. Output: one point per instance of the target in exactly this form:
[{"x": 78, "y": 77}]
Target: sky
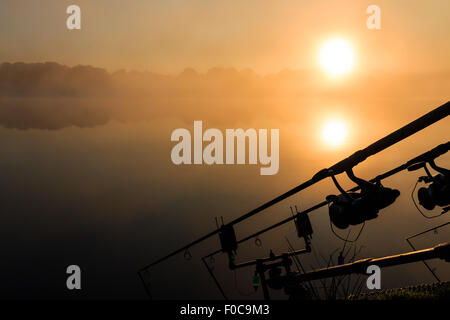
[
  {"x": 86, "y": 118},
  {"x": 168, "y": 36}
]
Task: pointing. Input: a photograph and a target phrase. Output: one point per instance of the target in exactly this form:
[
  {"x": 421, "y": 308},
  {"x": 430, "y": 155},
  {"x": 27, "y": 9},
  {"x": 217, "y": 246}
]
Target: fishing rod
[
  {"x": 344, "y": 165},
  {"x": 292, "y": 282},
  {"x": 440, "y": 251},
  {"x": 423, "y": 158}
]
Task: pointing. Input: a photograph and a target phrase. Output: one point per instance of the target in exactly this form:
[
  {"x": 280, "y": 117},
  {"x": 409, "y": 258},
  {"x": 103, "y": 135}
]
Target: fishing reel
[
  {"x": 438, "y": 191},
  {"x": 353, "y": 208}
]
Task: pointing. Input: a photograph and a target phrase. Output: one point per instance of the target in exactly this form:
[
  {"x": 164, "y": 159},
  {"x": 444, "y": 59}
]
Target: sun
[
  {"x": 336, "y": 57},
  {"x": 334, "y": 132}
]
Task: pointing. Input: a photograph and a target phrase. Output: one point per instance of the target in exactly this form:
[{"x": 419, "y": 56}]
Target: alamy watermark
[
  {"x": 373, "y": 22},
  {"x": 73, "y": 22},
  {"x": 374, "y": 280},
  {"x": 73, "y": 281},
  {"x": 218, "y": 151}
]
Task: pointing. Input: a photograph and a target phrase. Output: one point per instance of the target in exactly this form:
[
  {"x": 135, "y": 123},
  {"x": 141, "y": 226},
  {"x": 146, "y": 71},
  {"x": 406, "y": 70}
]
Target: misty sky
[
  {"x": 86, "y": 172},
  {"x": 167, "y": 36}
]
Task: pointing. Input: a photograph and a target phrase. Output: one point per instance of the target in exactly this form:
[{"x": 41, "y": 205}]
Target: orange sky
[{"x": 268, "y": 36}]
